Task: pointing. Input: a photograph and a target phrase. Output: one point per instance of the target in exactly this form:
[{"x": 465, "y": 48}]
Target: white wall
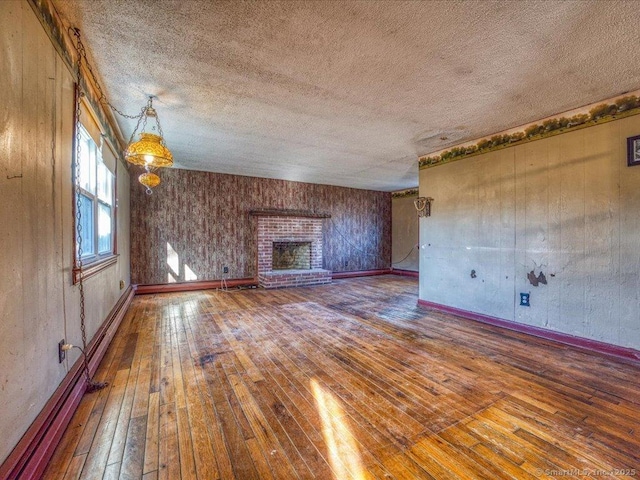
[
  {"x": 567, "y": 206},
  {"x": 38, "y": 304}
]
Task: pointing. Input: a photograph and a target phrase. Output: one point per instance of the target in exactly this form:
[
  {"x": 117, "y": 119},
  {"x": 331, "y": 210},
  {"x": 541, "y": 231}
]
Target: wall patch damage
[{"x": 536, "y": 280}]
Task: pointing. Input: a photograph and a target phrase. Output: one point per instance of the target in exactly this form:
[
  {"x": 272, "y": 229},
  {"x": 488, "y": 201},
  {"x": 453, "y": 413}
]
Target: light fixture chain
[
  {"x": 78, "y": 218},
  {"x": 138, "y": 153},
  {"x": 155, "y": 115},
  {"x": 144, "y": 122},
  {"x": 120, "y": 113},
  {"x": 102, "y": 98},
  {"x": 140, "y": 118},
  {"x": 160, "y": 129},
  {"x": 91, "y": 385}
]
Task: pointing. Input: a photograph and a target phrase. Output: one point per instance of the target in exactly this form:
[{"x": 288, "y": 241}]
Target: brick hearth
[{"x": 294, "y": 278}]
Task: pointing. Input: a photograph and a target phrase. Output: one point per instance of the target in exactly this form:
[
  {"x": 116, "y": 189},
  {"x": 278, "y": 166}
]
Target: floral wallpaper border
[
  {"x": 411, "y": 192},
  {"x": 604, "y": 112}
]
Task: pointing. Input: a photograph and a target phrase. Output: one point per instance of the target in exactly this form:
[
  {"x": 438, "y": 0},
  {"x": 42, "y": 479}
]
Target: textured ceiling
[{"x": 350, "y": 93}]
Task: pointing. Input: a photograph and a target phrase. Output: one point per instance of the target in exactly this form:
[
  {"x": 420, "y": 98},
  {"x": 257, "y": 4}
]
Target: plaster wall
[
  {"x": 404, "y": 234},
  {"x": 39, "y": 306},
  {"x": 565, "y": 206}
]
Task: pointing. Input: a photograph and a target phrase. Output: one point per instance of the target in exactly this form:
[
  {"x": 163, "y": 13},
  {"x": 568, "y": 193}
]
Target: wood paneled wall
[
  {"x": 39, "y": 305},
  {"x": 204, "y": 218}
]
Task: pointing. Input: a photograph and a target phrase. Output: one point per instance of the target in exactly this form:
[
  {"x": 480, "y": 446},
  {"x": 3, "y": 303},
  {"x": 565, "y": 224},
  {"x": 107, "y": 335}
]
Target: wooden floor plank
[
  {"x": 286, "y": 401},
  {"x": 133, "y": 457},
  {"x": 124, "y": 416},
  {"x": 348, "y": 380},
  {"x": 99, "y": 453},
  {"x": 168, "y": 451},
  {"x": 153, "y": 434},
  {"x": 210, "y": 421},
  {"x": 185, "y": 445},
  {"x": 64, "y": 453},
  {"x": 232, "y": 436},
  {"x": 112, "y": 472},
  {"x": 75, "y": 467}
]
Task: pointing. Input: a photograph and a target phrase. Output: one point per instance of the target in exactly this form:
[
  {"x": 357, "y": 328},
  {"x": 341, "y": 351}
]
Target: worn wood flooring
[{"x": 349, "y": 380}]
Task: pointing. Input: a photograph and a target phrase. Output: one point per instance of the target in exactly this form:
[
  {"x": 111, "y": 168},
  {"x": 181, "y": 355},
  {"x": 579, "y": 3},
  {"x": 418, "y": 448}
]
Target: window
[{"x": 95, "y": 202}]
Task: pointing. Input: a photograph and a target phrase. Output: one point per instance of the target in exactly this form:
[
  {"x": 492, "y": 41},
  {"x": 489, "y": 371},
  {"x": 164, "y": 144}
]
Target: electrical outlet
[
  {"x": 121, "y": 284},
  {"x": 346, "y": 263},
  {"x": 225, "y": 269},
  {"x": 61, "y": 353},
  {"x": 524, "y": 300}
]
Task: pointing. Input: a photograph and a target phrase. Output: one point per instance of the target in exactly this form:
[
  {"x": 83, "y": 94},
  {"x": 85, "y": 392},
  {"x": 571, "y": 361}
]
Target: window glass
[
  {"x": 87, "y": 225},
  {"x": 105, "y": 183},
  {"x": 84, "y": 167},
  {"x": 104, "y": 228},
  {"x": 87, "y": 163},
  {"x": 96, "y": 201}
]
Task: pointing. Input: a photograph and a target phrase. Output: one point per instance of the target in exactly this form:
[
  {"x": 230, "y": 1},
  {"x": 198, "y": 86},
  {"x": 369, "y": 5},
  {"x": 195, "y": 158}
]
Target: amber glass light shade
[
  {"x": 149, "y": 151},
  {"x": 149, "y": 179}
]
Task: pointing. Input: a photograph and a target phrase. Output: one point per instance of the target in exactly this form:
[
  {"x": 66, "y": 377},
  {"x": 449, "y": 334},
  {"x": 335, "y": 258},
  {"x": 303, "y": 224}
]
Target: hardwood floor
[{"x": 349, "y": 380}]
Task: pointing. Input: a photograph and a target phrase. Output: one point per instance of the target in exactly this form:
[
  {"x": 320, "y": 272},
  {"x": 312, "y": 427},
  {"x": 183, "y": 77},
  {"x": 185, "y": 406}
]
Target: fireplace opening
[{"x": 291, "y": 256}]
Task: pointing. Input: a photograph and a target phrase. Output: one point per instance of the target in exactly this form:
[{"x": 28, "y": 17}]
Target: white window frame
[{"x": 88, "y": 186}]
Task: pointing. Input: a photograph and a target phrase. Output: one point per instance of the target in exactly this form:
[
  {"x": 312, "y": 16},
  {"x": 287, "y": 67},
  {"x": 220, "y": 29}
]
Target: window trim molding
[
  {"x": 93, "y": 268},
  {"x": 114, "y": 245}
]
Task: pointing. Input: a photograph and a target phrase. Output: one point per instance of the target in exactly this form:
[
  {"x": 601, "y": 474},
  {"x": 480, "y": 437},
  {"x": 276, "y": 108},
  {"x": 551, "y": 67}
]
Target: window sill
[{"x": 92, "y": 268}]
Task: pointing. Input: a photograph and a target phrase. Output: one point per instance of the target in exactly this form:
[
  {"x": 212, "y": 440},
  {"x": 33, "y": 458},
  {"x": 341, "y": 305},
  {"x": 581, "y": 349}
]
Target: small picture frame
[{"x": 633, "y": 151}]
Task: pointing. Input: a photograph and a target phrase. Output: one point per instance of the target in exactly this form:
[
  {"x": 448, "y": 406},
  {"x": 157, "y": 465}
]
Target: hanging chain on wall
[
  {"x": 423, "y": 206},
  {"x": 92, "y": 386}
]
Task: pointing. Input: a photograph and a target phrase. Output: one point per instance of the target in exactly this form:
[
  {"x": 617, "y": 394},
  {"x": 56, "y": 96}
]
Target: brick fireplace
[
  {"x": 296, "y": 238},
  {"x": 291, "y": 256}
]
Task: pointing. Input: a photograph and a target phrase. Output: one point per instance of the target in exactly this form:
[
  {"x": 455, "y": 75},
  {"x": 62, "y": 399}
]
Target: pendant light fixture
[{"x": 150, "y": 150}]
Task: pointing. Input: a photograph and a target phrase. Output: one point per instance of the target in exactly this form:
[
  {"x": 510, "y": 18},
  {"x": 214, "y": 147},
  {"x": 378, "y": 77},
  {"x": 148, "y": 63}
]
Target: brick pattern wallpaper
[{"x": 196, "y": 223}]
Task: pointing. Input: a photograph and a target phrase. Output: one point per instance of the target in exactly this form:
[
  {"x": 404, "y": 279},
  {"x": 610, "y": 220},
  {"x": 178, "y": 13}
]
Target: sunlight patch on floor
[{"x": 342, "y": 447}]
